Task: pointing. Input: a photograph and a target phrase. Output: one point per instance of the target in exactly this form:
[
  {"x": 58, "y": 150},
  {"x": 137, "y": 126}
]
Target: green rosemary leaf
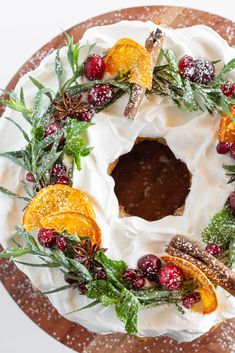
[
  {"x": 16, "y": 157},
  {"x": 58, "y": 68},
  {"x": 59, "y": 289},
  {"x": 232, "y": 253},
  {"x": 40, "y": 86},
  {"x": 188, "y": 97},
  {"x": 29, "y": 240},
  {"x": 50, "y": 158},
  {"x": 48, "y": 264},
  {"x": 14, "y": 252},
  {"x": 81, "y": 269},
  {"x": 229, "y": 168},
  {"x": 71, "y": 171},
  {"x": 221, "y": 228},
  {"x": 12, "y": 194},
  {"x": 207, "y": 101},
  {"x": 88, "y": 306},
  {"x": 227, "y": 68},
  {"x": 19, "y": 127},
  {"x": 173, "y": 65},
  {"x": 225, "y": 108},
  {"x": 47, "y": 141},
  {"x": 37, "y": 107}
]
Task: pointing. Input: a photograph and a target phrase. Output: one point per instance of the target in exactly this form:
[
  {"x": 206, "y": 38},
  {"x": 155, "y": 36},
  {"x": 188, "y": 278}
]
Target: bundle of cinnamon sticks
[{"x": 194, "y": 252}]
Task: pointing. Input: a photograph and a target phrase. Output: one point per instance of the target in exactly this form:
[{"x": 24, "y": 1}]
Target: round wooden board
[{"x": 35, "y": 305}]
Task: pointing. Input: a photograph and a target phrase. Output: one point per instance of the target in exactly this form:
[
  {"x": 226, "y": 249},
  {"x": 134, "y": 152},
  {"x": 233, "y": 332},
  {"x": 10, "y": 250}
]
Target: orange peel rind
[
  {"x": 129, "y": 56},
  {"x": 209, "y": 300},
  {"x": 53, "y": 199},
  {"x": 227, "y": 128},
  {"x": 74, "y": 223}
]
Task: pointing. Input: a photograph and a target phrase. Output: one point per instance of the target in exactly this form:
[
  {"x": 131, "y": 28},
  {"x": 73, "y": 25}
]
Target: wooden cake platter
[{"x": 35, "y": 305}]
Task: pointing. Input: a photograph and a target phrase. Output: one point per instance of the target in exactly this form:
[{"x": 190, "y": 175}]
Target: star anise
[
  {"x": 85, "y": 254},
  {"x": 70, "y": 107}
]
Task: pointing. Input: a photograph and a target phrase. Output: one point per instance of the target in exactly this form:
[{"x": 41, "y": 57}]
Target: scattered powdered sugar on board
[{"x": 222, "y": 338}]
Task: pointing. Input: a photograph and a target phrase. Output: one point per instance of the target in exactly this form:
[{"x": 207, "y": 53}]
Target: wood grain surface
[{"x": 35, "y": 305}]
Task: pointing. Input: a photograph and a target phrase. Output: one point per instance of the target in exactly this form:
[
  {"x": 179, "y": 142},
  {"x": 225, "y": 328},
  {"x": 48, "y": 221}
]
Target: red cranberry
[
  {"x": 232, "y": 150},
  {"x": 171, "y": 277},
  {"x": 186, "y": 66},
  {"x": 82, "y": 288},
  {"x": 51, "y": 129},
  {"x": 68, "y": 278},
  {"x": 100, "y": 94},
  {"x": 138, "y": 282},
  {"x": 150, "y": 265},
  {"x": 58, "y": 170},
  {"x": 226, "y": 89},
  {"x": 87, "y": 112},
  {"x": 213, "y": 249},
  {"x": 130, "y": 275},
  {"x": 222, "y": 147},
  {"x": 94, "y": 67},
  {"x": 61, "y": 243},
  {"x": 204, "y": 71},
  {"x": 100, "y": 273},
  {"x": 30, "y": 178},
  {"x": 190, "y": 299},
  {"x": 62, "y": 180},
  {"x": 232, "y": 201},
  {"x": 232, "y": 89},
  {"x": 47, "y": 237}
]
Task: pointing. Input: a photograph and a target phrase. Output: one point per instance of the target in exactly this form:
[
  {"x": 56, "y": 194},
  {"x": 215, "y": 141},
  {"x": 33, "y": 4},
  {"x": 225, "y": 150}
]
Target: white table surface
[{"x": 25, "y": 26}]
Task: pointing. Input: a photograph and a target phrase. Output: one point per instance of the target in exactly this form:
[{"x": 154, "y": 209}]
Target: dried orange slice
[
  {"x": 209, "y": 300},
  {"x": 74, "y": 223},
  {"x": 227, "y": 128},
  {"x": 53, "y": 199},
  {"x": 129, "y": 56}
]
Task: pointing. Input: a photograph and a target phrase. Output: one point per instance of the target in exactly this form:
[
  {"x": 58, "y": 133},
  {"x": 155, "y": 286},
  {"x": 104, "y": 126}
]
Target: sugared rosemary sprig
[{"x": 191, "y": 96}]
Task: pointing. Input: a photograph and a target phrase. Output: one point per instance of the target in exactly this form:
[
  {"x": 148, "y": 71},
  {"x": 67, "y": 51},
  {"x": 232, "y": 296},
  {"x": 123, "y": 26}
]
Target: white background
[{"x": 25, "y": 26}]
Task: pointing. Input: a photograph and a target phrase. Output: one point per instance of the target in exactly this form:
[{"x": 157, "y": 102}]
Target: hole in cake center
[{"x": 150, "y": 182}]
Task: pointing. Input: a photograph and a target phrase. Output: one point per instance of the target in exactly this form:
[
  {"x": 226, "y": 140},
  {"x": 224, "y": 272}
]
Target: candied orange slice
[
  {"x": 53, "y": 199},
  {"x": 73, "y": 223},
  {"x": 129, "y": 56},
  {"x": 227, "y": 128},
  {"x": 209, "y": 300}
]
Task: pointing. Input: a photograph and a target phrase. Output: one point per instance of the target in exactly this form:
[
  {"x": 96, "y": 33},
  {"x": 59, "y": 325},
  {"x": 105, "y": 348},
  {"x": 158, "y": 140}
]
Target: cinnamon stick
[
  {"x": 153, "y": 44},
  {"x": 193, "y": 251}
]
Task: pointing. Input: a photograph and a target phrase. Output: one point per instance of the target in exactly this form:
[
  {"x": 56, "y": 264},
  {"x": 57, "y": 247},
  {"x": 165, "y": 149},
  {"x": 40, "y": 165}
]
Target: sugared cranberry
[
  {"x": 226, "y": 89},
  {"x": 213, "y": 249},
  {"x": 58, "y": 170},
  {"x": 82, "y": 288},
  {"x": 190, "y": 299},
  {"x": 68, "y": 278},
  {"x": 47, "y": 237},
  {"x": 222, "y": 147},
  {"x": 150, "y": 265},
  {"x": 51, "y": 129},
  {"x": 87, "y": 112},
  {"x": 100, "y": 273},
  {"x": 30, "y": 178},
  {"x": 232, "y": 150},
  {"x": 233, "y": 89},
  {"x": 62, "y": 180},
  {"x": 186, "y": 66},
  {"x": 100, "y": 94},
  {"x": 61, "y": 243},
  {"x": 94, "y": 67},
  {"x": 232, "y": 201},
  {"x": 130, "y": 275},
  {"x": 138, "y": 282},
  {"x": 171, "y": 277},
  {"x": 204, "y": 71}
]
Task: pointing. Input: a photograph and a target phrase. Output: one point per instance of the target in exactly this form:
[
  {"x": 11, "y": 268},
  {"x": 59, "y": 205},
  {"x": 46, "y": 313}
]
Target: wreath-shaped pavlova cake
[{"x": 66, "y": 125}]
